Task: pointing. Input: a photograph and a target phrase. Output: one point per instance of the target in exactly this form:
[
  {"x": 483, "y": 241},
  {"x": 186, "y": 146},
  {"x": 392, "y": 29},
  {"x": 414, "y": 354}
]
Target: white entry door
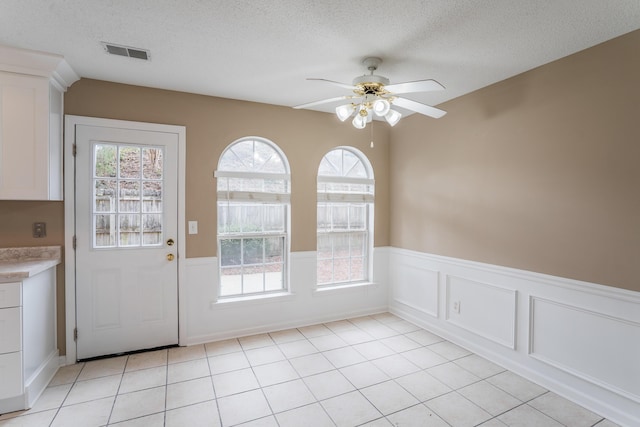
[{"x": 126, "y": 240}]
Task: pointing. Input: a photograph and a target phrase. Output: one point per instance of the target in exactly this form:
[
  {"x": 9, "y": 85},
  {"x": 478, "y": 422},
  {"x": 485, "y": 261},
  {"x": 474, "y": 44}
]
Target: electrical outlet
[
  {"x": 39, "y": 229},
  {"x": 456, "y": 306}
]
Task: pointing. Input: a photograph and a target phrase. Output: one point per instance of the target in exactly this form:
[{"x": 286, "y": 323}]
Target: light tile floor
[{"x": 368, "y": 371}]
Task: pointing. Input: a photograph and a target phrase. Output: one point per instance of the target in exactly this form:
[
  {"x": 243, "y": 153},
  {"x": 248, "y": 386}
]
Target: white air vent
[{"x": 130, "y": 52}]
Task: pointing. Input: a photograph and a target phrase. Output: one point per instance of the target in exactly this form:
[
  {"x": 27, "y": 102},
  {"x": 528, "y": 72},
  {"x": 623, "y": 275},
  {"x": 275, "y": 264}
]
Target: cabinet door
[
  {"x": 10, "y": 329},
  {"x": 24, "y": 137},
  {"x": 11, "y": 374}
]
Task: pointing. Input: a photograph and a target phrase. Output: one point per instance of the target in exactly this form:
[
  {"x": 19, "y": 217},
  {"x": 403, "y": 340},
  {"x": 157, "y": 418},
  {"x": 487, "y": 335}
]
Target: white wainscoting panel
[
  {"x": 211, "y": 319},
  {"x": 580, "y": 340},
  {"x": 486, "y": 310},
  {"x": 415, "y": 286},
  {"x": 598, "y": 347}
]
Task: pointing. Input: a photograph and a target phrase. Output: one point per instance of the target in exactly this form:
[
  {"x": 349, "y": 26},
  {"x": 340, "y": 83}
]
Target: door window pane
[
  {"x": 129, "y": 165},
  {"x": 105, "y": 161},
  {"x": 104, "y": 231},
  {"x": 133, "y": 198},
  {"x": 152, "y": 163}
]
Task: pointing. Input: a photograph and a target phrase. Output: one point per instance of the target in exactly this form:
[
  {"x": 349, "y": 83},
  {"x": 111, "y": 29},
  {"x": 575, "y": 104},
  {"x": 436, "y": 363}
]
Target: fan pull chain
[{"x": 371, "y": 145}]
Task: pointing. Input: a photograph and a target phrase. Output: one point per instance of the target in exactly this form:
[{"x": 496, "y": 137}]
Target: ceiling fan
[{"x": 374, "y": 95}]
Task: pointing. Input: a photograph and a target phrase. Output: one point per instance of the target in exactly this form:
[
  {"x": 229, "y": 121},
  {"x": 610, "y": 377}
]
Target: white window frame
[
  {"x": 253, "y": 198},
  {"x": 347, "y": 198}
]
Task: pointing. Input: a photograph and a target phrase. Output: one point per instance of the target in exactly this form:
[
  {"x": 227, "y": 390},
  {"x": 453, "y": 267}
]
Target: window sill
[
  {"x": 252, "y": 299},
  {"x": 320, "y": 290}
]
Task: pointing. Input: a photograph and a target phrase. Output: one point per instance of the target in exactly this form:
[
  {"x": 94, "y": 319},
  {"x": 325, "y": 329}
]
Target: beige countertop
[{"x": 17, "y": 264}]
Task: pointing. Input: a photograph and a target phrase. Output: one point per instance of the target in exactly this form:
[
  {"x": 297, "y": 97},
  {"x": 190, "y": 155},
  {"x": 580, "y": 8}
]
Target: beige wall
[
  {"x": 539, "y": 172},
  {"x": 213, "y": 123}
]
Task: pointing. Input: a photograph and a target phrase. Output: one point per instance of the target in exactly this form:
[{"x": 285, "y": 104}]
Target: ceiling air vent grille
[{"x": 130, "y": 52}]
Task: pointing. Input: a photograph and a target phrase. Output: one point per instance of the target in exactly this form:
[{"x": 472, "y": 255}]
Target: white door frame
[{"x": 70, "y": 123}]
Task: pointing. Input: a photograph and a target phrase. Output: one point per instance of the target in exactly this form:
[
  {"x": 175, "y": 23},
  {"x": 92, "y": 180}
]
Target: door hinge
[
  {"x": 75, "y": 334},
  {"x": 75, "y": 241},
  {"x": 75, "y": 150}
]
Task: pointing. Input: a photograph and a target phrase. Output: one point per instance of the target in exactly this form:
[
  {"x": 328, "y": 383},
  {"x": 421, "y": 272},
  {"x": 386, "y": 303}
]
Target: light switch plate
[{"x": 193, "y": 227}]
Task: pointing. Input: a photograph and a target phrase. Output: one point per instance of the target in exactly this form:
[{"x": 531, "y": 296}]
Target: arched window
[
  {"x": 253, "y": 218},
  {"x": 345, "y": 217}
]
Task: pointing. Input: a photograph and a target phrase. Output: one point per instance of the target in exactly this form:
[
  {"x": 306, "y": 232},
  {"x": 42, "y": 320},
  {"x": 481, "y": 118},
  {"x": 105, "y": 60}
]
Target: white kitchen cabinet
[
  {"x": 31, "y": 114},
  {"x": 28, "y": 347}
]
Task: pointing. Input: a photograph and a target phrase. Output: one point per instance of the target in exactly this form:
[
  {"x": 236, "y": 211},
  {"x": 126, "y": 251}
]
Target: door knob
[
  {"x": 170, "y": 242},
  {"x": 170, "y": 257}
]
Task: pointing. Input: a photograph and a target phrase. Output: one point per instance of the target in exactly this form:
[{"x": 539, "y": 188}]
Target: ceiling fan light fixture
[
  {"x": 392, "y": 117},
  {"x": 359, "y": 121},
  {"x": 344, "y": 111},
  {"x": 381, "y": 107}
]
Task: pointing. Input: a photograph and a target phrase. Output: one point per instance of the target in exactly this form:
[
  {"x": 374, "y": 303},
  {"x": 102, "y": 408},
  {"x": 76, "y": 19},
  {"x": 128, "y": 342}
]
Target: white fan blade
[
  {"x": 417, "y": 86},
  {"x": 324, "y": 101},
  {"x": 344, "y": 85},
  {"x": 427, "y": 110}
]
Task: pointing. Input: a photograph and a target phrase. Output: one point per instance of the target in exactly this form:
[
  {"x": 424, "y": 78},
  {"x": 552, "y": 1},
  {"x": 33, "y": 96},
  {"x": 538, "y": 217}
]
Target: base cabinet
[{"x": 28, "y": 347}]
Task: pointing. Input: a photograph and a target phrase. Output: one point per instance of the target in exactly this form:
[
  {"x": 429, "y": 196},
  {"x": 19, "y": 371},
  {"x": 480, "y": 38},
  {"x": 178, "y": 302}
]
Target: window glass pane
[
  {"x": 152, "y": 163},
  {"x": 152, "y": 196},
  {"x": 129, "y": 196},
  {"x": 129, "y": 162},
  {"x": 253, "y": 251},
  {"x": 331, "y": 164},
  {"x": 223, "y": 218},
  {"x": 243, "y": 152},
  {"x": 235, "y": 218},
  {"x": 105, "y": 193},
  {"x": 129, "y": 229},
  {"x": 105, "y": 161},
  {"x": 349, "y": 162},
  {"x": 325, "y": 271},
  {"x": 357, "y": 269},
  {"x": 325, "y": 246},
  {"x": 274, "y": 218},
  {"x": 324, "y": 218},
  {"x": 341, "y": 245},
  {"x": 105, "y": 231},
  {"x": 341, "y": 270},
  {"x": 275, "y": 186},
  {"x": 334, "y": 187},
  {"x": 273, "y": 277},
  {"x": 253, "y": 279},
  {"x": 230, "y": 281},
  {"x": 357, "y": 217},
  {"x": 223, "y": 184},
  {"x": 152, "y": 229},
  {"x": 357, "y": 245},
  {"x": 340, "y": 216},
  {"x": 267, "y": 159},
  {"x": 251, "y": 218},
  {"x": 274, "y": 250},
  {"x": 230, "y": 252}
]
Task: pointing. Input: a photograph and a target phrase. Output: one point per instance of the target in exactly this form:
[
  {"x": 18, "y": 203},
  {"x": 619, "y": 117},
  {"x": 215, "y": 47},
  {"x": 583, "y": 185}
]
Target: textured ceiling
[{"x": 263, "y": 50}]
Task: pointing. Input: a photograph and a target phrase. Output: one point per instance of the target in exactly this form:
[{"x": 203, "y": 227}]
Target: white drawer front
[
  {"x": 11, "y": 374},
  {"x": 10, "y": 295},
  {"x": 10, "y": 329}
]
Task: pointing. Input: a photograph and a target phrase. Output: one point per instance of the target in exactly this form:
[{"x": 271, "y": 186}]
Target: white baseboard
[
  {"x": 41, "y": 378},
  {"x": 580, "y": 340}
]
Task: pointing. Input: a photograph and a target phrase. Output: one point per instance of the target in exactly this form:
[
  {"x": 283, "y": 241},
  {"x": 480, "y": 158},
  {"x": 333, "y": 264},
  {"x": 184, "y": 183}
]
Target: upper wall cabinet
[{"x": 32, "y": 85}]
